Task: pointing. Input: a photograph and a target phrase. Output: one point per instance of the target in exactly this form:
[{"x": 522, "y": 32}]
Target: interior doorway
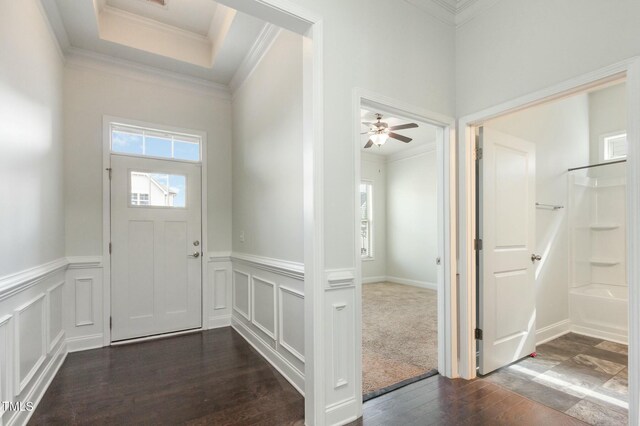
[
  {"x": 401, "y": 233},
  {"x": 551, "y": 244}
]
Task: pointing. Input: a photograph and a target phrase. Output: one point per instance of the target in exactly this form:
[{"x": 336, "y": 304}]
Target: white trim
[
  {"x": 453, "y": 12},
  {"x": 446, "y": 287},
  {"x": 263, "y": 43},
  {"x": 41, "y": 385},
  {"x": 412, "y": 152},
  {"x": 630, "y": 68},
  {"x": 84, "y": 59},
  {"x": 245, "y": 315},
  {"x": 281, "y": 341},
  {"x": 345, "y": 277},
  {"x": 278, "y": 266},
  {"x": 20, "y": 385},
  {"x": 106, "y": 213},
  {"x": 51, "y": 343},
  {"x": 553, "y": 331},
  {"x": 413, "y": 283},
  {"x": 84, "y": 262},
  {"x": 273, "y": 334},
  {"x": 599, "y": 334},
  {"x": 20, "y": 281},
  {"x": 373, "y": 280},
  {"x": 284, "y": 367},
  {"x": 157, "y": 336},
  {"x": 219, "y": 322},
  {"x": 219, "y": 256},
  {"x": 83, "y": 343}
]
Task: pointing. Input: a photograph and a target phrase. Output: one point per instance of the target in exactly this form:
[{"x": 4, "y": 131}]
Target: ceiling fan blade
[
  {"x": 367, "y": 123},
  {"x": 403, "y": 126},
  {"x": 369, "y": 144},
  {"x": 400, "y": 137}
]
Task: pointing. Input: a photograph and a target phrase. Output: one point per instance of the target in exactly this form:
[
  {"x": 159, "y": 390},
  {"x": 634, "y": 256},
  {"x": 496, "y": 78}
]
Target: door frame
[
  {"x": 106, "y": 221},
  {"x": 629, "y": 69},
  {"x": 446, "y": 159}
]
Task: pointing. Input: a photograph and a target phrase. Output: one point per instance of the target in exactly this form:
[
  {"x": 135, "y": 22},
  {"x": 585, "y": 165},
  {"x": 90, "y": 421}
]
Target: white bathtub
[{"x": 600, "y": 310}]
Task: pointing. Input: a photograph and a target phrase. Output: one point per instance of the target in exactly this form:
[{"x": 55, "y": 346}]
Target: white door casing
[
  {"x": 156, "y": 260},
  {"x": 507, "y": 309}
]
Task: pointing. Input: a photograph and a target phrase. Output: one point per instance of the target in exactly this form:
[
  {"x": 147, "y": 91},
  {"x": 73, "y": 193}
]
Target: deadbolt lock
[{"x": 196, "y": 243}]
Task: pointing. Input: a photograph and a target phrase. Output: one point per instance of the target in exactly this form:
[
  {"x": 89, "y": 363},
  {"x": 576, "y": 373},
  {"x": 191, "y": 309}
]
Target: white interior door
[
  {"x": 156, "y": 262},
  {"x": 507, "y": 309}
]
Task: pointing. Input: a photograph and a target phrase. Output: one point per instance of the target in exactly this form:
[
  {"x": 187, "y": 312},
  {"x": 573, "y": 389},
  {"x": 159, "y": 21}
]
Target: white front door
[
  {"x": 156, "y": 262},
  {"x": 507, "y": 309}
]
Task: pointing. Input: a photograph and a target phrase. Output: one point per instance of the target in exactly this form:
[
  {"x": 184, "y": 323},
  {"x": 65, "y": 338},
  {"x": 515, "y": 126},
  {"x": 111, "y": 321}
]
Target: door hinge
[
  {"x": 478, "y": 153},
  {"x": 108, "y": 169},
  {"x": 478, "y": 334},
  {"x": 110, "y": 323},
  {"x": 109, "y": 248},
  {"x": 477, "y": 244}
]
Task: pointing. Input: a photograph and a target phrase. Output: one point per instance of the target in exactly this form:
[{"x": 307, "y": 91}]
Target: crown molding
[
  {"x": 81, "y": 58},
  {"x": 53, "y": 21},
  {"x": 411, "y": 153},
  {"x": 255, "y": 55},
  {"x": 453, "y": 12}
]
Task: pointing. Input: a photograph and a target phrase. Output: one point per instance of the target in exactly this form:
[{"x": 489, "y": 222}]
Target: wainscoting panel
[
  {"x": 54, "y": 314},
  {"x": 83, "y": 317},
  {"x": 219, "y": 290},
  {"x": 84, "y": 301},
  {"x": 274, "y": 324},
  {"x": 343, "y": 387},
  {"x": 32, "y": 337},
  {"x": 242, "y": 294},
  {"x": 264, "y": 305},
  {"x": 31, "y": 346}
]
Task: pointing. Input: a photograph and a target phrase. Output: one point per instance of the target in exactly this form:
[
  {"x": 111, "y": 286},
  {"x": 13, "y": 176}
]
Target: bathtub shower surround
[{"x": 598, "y": 292}]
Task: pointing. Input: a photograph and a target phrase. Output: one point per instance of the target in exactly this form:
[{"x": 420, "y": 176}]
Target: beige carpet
[{"x": 399, "y": 334}]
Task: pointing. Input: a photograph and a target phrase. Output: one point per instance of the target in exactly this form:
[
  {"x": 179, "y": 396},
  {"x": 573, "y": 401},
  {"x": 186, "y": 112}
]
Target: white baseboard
[
  {"x": 592, "y": 332},
  {"x": 371, "y": 280},
  {"x": 83, "y": 343},
  {"x": 421, "y": 284},
  {"x": 338, "y": 414},
  {"x": 552, "y": 331},
  {"x": 218, "y": 322},
  {"x": 278, "y": 362},
  {"x": 41, "y": 385}
]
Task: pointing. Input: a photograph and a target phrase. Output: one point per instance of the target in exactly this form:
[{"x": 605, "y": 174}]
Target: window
[
  {"x": 366, "y": 220},
  {"x": 158, "y": 189},
  {"x": 134, "y": 140},
  {"x": 614, "y": 146}
]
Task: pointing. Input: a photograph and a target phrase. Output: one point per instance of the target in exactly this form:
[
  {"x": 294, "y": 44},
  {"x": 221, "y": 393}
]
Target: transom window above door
[{"x": 145, "y": 142}]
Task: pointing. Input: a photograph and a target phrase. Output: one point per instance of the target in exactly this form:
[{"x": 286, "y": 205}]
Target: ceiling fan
[{"x": 380, "y": 132}]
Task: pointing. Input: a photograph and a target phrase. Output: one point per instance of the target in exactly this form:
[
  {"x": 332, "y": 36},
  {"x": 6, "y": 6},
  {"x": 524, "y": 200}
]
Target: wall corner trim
[
  {"x": 20, "y": 281},
  {"x": 219, "y": 256}
]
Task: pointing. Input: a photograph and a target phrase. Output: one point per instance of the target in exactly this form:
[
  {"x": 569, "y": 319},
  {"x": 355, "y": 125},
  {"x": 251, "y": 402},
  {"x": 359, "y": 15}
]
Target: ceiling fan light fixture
[{"x": 380, "y": 138}]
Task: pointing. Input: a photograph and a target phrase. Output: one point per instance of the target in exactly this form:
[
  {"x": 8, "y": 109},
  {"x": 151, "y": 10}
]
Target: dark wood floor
[
  {"x": 442, "y": 401},
  {"x": 216, "y": 378}
]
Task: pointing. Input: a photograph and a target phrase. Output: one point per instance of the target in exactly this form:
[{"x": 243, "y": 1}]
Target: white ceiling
[
  {"x": 195, "y": 38},
  {"x": 423, "y": 135}
]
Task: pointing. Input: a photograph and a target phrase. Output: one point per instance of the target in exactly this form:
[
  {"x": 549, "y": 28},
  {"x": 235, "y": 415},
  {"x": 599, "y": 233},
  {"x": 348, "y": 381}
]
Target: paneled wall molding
[
  {"x": 277, "y": 266},
  {"x": 84, "y": 262},
  {"x": 337, "y": 278},
  {"x": 15, "y": 283},
  {"x": 38, "y": 336}
]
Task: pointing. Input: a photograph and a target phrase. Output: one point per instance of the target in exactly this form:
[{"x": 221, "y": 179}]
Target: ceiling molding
[
  {"x": 412, "y": 152},
  {"x": 453, "y": 12},
  {"x": 259, "y": 49},
  {"x": 52, "y": 18},
  {"x": 85, "y": 59}
]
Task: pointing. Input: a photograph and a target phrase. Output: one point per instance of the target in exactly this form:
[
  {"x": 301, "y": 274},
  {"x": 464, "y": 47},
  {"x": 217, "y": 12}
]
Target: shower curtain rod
[{"x": 598, "y": 165}]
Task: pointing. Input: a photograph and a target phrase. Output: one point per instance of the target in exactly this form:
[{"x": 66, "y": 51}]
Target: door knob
[
  {"x": 195, "y": 254},
  {"x": 535, "y": 257}
]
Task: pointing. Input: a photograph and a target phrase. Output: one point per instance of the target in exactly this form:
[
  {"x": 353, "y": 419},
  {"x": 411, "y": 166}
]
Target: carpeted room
[{"x": 399, "y": 223}]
